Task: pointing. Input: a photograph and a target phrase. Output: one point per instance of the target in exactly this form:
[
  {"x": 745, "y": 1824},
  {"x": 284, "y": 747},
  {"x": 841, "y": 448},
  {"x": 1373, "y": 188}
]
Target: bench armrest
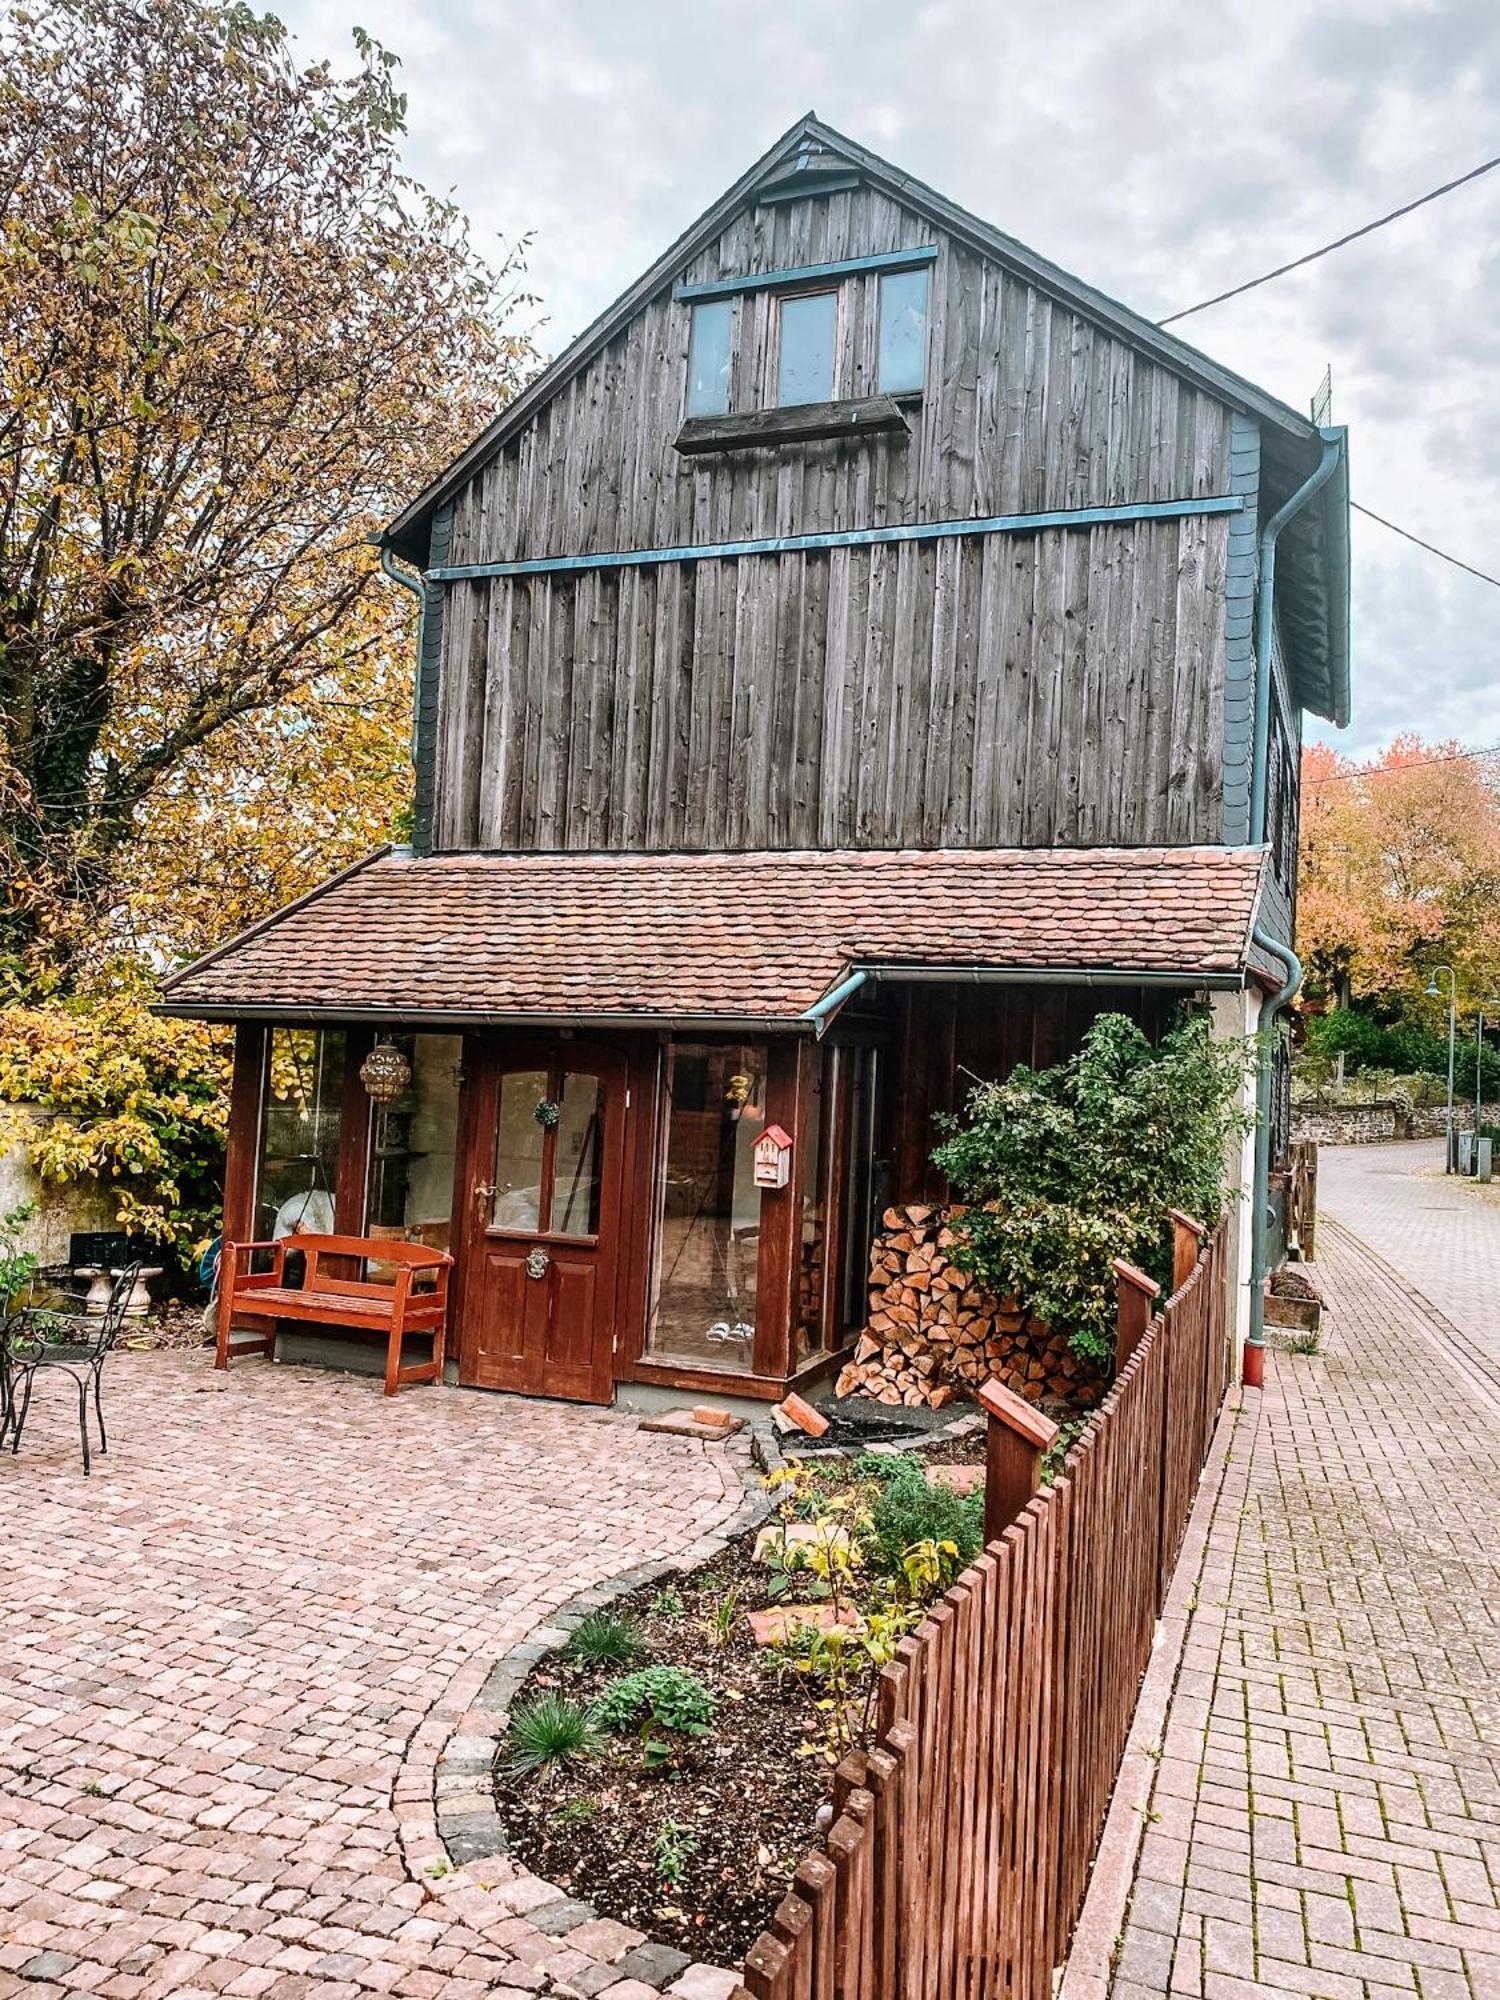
[{"x": 231, "y": 1262}]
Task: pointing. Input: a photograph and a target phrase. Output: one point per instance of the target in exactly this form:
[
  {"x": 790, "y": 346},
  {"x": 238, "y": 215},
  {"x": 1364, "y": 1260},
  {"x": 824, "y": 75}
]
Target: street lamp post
[
  {"x": 1433, "y": 994},
  {"x": 1491, "y": 1005}
]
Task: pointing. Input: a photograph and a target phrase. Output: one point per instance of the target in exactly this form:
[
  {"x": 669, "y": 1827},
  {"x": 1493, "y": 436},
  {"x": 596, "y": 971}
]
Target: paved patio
[
  {"x": 1325, "y": 1818},
  {"x": 231, "y": 1657}
]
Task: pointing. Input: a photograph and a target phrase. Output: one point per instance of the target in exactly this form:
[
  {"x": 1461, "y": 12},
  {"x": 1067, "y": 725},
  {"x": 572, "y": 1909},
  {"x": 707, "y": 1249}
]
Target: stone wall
[
  {"x": 1378, "y": 1123},
  {"x": 933, "y": 1336},
  {"x": 59, "y": 1210}
]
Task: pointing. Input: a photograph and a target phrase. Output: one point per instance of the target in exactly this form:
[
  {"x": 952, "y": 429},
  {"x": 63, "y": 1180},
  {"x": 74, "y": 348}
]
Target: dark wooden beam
[{"x": 799, "y": 423}]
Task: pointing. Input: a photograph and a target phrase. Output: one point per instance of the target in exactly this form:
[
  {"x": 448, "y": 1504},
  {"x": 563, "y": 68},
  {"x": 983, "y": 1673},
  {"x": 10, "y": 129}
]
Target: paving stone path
[
  {"x": 230, "y": 1660},
  {"x": 1325, "y": 1818}
]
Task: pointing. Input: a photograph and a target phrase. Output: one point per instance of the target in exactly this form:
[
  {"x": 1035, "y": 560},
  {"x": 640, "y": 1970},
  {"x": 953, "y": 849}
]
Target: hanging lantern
[{"x": 385, "y": 1072}]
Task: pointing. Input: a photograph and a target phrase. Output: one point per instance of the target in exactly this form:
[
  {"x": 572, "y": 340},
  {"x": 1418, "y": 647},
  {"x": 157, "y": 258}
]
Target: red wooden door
[{"x": 542, "y": 1219}]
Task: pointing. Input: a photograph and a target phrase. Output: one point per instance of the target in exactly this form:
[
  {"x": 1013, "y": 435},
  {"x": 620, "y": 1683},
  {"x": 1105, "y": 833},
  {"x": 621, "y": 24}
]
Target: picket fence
[{"x": 962, "y": 1840}]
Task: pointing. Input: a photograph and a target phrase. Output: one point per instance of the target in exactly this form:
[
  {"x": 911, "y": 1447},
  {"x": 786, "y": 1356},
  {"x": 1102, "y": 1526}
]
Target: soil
[
  {"x": 745, "y": 1794},
  {"x": 176, "y": 1325},
  {"x": 1290, "y": 1284}
]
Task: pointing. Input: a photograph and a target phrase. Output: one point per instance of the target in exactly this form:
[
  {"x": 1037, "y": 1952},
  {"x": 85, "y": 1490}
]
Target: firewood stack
[{"x": 934, "y": 1336}]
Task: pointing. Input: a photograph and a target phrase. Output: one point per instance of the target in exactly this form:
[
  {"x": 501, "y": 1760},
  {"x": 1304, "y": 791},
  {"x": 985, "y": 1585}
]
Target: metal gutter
[
  {"x": 1265, "y": 624},
  {"x": 1255, "y": 1347},
  {"x": 821, "y": 1012},
  {"x": 1221, "y": 978}
]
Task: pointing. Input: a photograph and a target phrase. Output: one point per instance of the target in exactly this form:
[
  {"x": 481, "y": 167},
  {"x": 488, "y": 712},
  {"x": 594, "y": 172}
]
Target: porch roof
[{"x": 720, "y": 938}]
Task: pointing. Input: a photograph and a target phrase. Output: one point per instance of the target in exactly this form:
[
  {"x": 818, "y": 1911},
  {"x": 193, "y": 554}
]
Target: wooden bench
[{"x": 326, "y": 1298}]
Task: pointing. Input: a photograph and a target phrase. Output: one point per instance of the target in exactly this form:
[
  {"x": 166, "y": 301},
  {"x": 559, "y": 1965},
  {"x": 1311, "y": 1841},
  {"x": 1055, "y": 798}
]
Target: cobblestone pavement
[
  {"x": 1325, "y": 1817},
  {"x": 221, "y": 1658},
  {"x": 1441, "y": 1233}
]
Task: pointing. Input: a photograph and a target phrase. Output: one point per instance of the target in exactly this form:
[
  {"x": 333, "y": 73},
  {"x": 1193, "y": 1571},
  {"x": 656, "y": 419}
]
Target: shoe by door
[{"x": 542, "y": 1221}]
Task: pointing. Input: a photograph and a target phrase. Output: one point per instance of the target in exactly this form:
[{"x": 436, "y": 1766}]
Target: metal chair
[{"x": 42, "y": 1337}]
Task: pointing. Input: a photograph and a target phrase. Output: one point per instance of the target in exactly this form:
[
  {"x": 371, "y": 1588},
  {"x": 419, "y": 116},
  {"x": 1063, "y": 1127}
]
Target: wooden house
[{"x": 864, "y": 655}]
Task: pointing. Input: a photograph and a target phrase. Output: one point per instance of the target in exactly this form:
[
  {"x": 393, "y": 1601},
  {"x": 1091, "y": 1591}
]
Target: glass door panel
[
  {"x": 517, "y": 1194},
  {"x": 575, "y": 1159}
]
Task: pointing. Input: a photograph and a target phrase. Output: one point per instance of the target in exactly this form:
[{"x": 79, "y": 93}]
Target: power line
[
  {"x": 1399, "y": 770},
  {"x": 1431, "y": 548},
  {"x": 1296, "y": 263}
]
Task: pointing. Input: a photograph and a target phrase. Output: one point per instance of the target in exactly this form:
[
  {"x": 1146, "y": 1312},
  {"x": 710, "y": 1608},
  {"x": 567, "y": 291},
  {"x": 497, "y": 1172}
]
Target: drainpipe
[
  {"x": 1260, "y": 1194},
  {"x": 1333, "y": 447},
  {"x": 408, "y": 582},
  {"x": 822, "y": 1011}
]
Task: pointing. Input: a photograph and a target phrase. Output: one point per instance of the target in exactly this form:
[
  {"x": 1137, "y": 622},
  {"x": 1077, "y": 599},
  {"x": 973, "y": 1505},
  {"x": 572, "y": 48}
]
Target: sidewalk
[{"x": 1325, "y": 1818}]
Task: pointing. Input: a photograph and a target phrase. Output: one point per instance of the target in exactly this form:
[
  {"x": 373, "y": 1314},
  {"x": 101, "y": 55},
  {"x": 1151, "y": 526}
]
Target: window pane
[
  {"x": 807, "y": 1165},
  {"x": 299, "y": 1139},
  {"x": 517, "y": 1201},
  {"x": 860, "y": 1192},
  {"x": 708, "y": 359},
  {"x": 412, "y": 1146},
  {"x": 575, "y": 1165},
  {"x": 808, "y": 327},
  {"x": 903, "y": 331},
  {"x": 708, "y": 1243}
]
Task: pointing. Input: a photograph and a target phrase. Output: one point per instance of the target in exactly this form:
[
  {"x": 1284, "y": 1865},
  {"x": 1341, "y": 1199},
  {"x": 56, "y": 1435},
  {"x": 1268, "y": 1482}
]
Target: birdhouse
[{"x": 773, "y": 1158}]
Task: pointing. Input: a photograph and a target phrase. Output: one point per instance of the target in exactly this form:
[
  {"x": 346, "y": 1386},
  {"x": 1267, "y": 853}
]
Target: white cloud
[{"x": 1162, "y": 153}]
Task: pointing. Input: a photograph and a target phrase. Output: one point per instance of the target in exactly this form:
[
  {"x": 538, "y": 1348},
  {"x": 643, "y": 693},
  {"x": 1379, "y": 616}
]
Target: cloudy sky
[{"x": 1161, "y": 151}]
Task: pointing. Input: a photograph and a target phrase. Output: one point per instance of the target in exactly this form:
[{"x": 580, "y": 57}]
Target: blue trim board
[
  {"x": 1241, "y": 569},
  {"x": 854, "y": 538},
  {"x": 798, "y": 274}
]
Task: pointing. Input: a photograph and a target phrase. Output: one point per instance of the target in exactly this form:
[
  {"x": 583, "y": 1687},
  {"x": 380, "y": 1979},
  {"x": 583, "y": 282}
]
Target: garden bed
[{"x": 698, "y": 1851}]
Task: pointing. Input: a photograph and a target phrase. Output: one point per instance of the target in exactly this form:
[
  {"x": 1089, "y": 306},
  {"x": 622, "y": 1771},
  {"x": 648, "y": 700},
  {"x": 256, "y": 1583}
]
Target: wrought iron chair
[{"x": 42, "y": 1337}]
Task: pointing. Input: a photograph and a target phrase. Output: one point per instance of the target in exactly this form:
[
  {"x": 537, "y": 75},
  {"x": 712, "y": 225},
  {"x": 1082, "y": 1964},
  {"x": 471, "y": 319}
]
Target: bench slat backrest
[{"x": 364, "y": 1249}]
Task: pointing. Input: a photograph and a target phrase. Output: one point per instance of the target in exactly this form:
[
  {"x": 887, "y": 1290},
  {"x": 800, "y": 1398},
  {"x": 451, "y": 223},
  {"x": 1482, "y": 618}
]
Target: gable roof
[
  {"x": 809, "y": 157},
  {"x": 721, "y": 938}
]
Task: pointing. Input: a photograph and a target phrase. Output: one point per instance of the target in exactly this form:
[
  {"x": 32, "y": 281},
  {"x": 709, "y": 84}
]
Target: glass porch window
[
  {"x": 299, "y": 1132},
  {"x": 816, "y": 1193},
  {"x": 547, "y": 1153},
  {"x": 808, "y": 331},
  {"x": 859, "y": 1076},
  {"x": 412, "y": 1146},
  {"x": 708, "y": 1235}
]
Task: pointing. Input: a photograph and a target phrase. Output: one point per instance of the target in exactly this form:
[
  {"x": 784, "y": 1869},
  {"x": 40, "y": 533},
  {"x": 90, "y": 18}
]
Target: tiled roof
[{"x": 738, "y": 936}]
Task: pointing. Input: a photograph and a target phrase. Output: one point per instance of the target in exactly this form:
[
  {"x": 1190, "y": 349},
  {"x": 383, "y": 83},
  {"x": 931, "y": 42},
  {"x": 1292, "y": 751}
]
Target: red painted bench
[{"x": 326, "y": 1298}]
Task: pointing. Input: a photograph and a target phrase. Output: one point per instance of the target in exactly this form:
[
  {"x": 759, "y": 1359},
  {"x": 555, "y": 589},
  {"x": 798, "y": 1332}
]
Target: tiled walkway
[
  {"x": 1326, "y": 1812},
  {"x": 221, "y": 1656}
]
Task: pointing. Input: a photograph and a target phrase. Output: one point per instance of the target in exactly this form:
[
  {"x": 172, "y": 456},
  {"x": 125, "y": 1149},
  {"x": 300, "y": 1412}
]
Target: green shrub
[
  {"x": 550, "y": 1730},
  {"x": 1066, "y": 1169},
  {"x": 1400, "y": 1048},
  {"x": 605, "y": 1639},
  {"x": 668, "y": 1703},
  {"x": 908, "y": 1510}
]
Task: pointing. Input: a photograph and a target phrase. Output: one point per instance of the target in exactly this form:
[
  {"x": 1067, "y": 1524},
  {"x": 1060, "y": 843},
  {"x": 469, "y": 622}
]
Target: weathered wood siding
[{"x": 1062, "y": 686}]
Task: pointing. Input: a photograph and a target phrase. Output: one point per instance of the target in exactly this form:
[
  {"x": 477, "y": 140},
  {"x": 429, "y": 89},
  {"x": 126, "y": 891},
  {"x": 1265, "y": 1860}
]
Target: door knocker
[{"x": 536, "y": 1263}]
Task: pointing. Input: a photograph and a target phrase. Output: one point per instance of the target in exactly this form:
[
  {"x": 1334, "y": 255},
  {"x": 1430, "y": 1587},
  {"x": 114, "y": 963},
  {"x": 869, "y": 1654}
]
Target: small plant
[
  {"x": 668, "y": 1703},
  {"x": 719, "y": 1626},
  {"x": 908, "y": 1511},
  {"x": 673, "y": 1849},
  {"x": 576, "y": 1812},
  {"x": 17, "y": 1266},
  {"x": 928, "y": 1567},
  {"x": 549, "y": 1731},
  {"x": 1301, "y": 1341},
  {"x": 605, "y": 1639},
  {"x": 667, "y": 1603}
]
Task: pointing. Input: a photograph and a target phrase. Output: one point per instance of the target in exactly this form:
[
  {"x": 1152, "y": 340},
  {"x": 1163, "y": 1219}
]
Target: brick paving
[
  {"x": 229, "y": 1661},
  {"x": 1440, "y": 1232},
  {"x": 1325, "y": 1817}
]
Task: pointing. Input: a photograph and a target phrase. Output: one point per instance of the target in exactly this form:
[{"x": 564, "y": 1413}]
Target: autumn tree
[
  {"x": 1399, "y": 870},
  {"x": 234, "y": 336}
]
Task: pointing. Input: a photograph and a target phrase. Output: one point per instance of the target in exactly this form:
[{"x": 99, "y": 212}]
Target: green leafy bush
[
  {"x": 1399, "y": 1048},
  {"x": 548, "y": 1731},
  {"x": 1066, "y": 1169},
  {"x": 907, "y": 1511},
  {"x": 606, "y": 1638},
  {"x": 668, "y": 1703},
  {"x": 17, "y": 1266}
]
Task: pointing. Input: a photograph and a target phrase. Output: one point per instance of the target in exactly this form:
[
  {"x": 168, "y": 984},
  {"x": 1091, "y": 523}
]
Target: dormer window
[
  {"x": 708, "y": 358},
  {"x": 805, "y": 350}
]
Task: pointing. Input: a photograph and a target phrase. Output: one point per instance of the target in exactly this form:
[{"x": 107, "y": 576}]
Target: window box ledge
[{"x": 800, "y": 423}]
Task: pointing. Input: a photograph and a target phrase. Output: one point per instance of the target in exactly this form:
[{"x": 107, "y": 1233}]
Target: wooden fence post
[
  {"x": 1187, "y": 1235},
  {"x": 1018, "y": 1434},
  {"x": 1133, "y": 1314}
]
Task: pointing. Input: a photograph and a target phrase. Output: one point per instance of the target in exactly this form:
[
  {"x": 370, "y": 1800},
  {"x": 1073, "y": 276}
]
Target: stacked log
[{"x": 934, "y": 1336}]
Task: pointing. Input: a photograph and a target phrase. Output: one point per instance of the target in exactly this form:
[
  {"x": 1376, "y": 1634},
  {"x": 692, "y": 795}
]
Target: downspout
[
  {"x": 822, "y": 1011},
  {"x": 1255, "y": 1346},
  {"x": 1265, "y": 625},
  {"x": 408, "y": 582}
]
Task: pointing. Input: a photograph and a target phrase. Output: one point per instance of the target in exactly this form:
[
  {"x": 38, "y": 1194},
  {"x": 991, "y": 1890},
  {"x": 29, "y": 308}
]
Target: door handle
[{"x": 485, "y": 1191}]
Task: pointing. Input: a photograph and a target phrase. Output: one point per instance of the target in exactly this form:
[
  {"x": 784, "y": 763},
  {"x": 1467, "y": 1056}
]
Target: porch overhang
[{"x": 734, "y": 943}]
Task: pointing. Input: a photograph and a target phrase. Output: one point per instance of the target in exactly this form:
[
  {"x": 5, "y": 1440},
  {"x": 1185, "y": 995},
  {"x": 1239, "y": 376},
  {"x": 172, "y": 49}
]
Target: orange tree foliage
[
  {"x": 233, "y": 338},
  {"x": 1399, "y": 871}
]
